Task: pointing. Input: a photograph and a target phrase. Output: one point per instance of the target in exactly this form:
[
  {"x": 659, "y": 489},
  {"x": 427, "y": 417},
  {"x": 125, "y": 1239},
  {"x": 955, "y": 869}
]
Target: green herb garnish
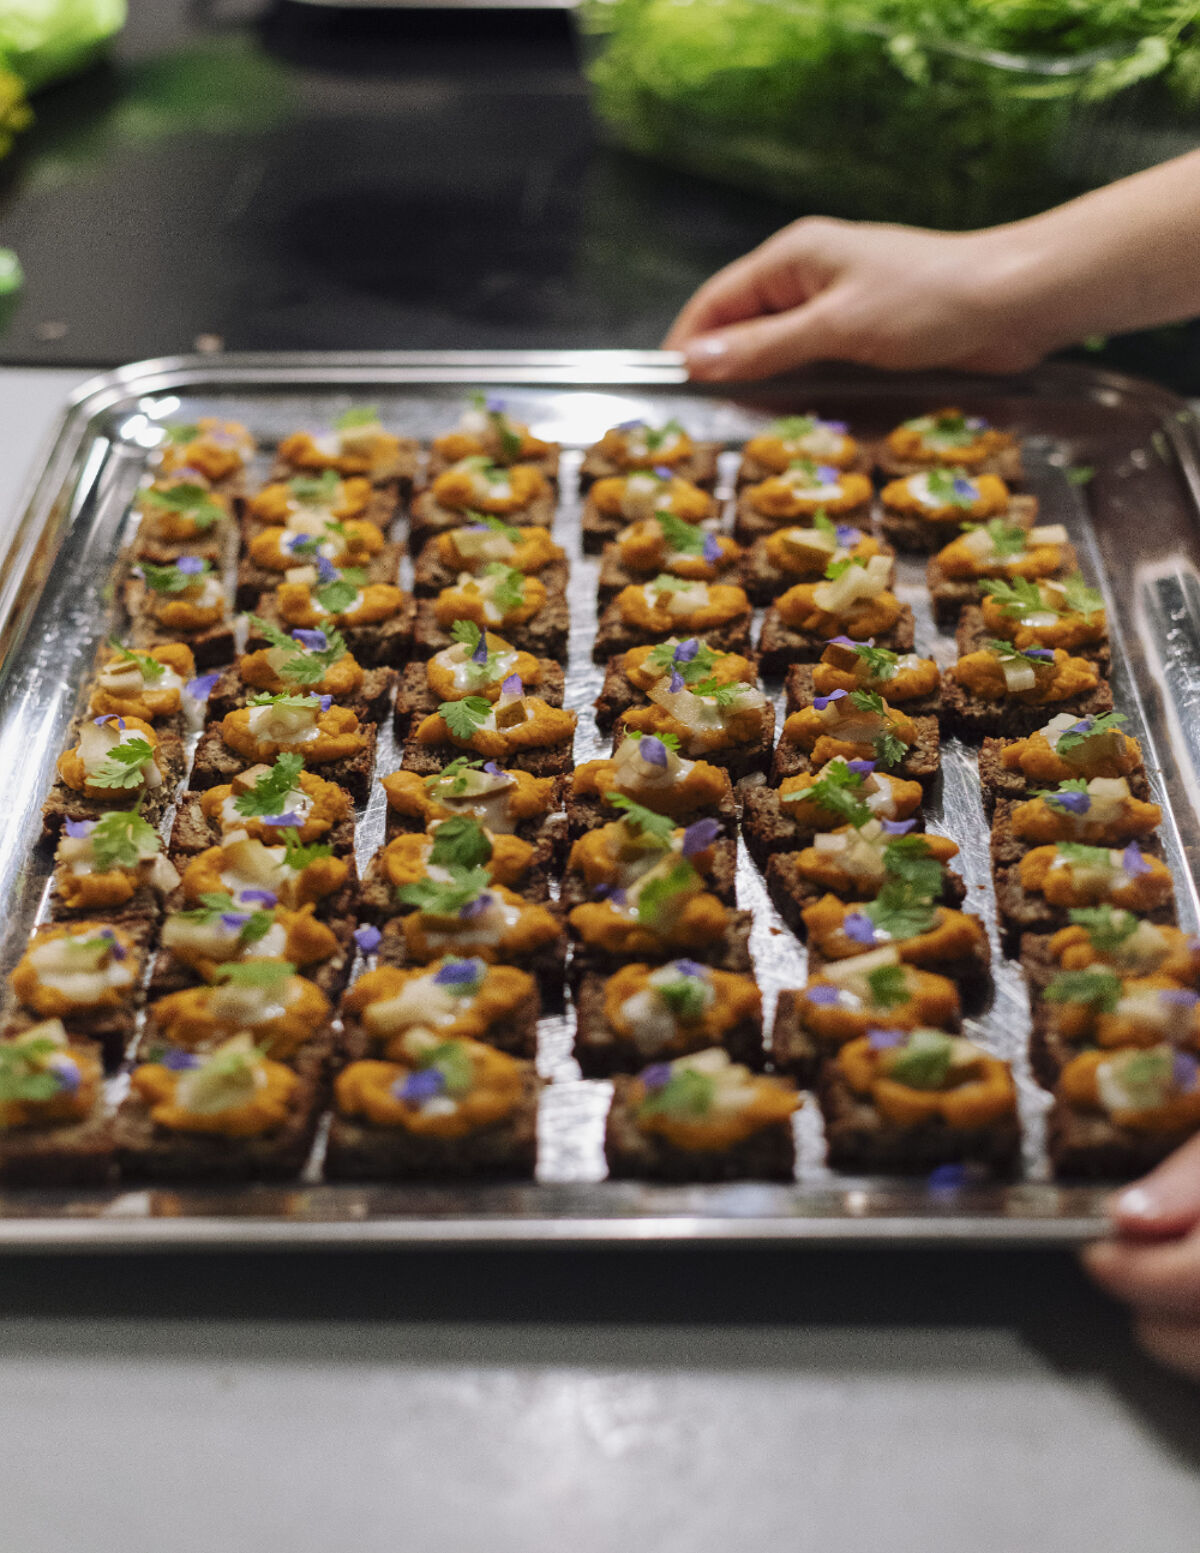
[
  {"x": 215, "y": 905},
  {"x": 508, "y": 595},
  {"x": 791, "y": 428},
  {"x": 1007, "y": 539},
  {"x": 656, "y": 436},
  {"x": 660, "y": 826},
  {"x": 681, "y": 538},
  {"x": 338, "y": 595},
  {"x": 453, "y": 777},
  {"x": 298, "y": 856},
  {"x": 662, "y": 661},
  {"x": 307, "y": 665},
  {"x": 660, "y": 896},
  {"x": 151, "y": 669},
  {"x": 445, "y": 897},
  {"x": 460, "y": 842},
  {"x": 1099, "y": 989},
  {"x": 836, "y": 791},
  {"x": 122, "y": 766},
  {"x": 686, "y": 1093},
  {"x": 24, "y": 1073},
  {"x": 316, "y": 490},
  {"x": 120, "y": 839},
  {"x": 192, "y": 501},
  {"x": 943, "y": 487},
  {"x": 271, "y": 791},
  {"x": 464, "y": 717},
  {"x": 1079, "y": 598},
  {"x": 497, "y": 525},
  {"x": 270, "y": 974},
  {"x": 1108, "y": 722},
  {"x": 357, "y": 415},
  {"x": 687, "y": 998},
  {"x": 169, "y": 579},
  {"x": 1107, "y": 927},
  {"x": 1018, "y": 597},
  {"x": 1088, "y": 857},
  {"x": 909, "y": 860},
  {"x": 923, "y": 1062},
  {"x": 900, "y": 912},
  {"x": 889, "y": 986}
]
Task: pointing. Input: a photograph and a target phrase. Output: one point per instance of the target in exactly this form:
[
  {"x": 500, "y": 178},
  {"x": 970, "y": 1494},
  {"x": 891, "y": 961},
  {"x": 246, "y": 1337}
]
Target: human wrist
[{"x": 1027, "y": 290}]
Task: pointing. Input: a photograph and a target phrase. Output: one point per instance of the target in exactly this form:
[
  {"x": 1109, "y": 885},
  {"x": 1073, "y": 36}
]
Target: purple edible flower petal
[
  {"x": 963, "y": 487},
  {"x": 1133, "y": 862},
  {"x": 859, "y": 928},
  {"x": 459, "y": 973},
  {"x": 289, "y": 820},
  {"x": 1045, "y": 654},
  {"x": 315, "y": 641},
  {"x": 367, "y": 938},
  {"x": 260, "y": 897},
  {"x": 823, "y": 995},
  {"x": 619, "y": 898},
  {"x": 493, "y": 406},
  {"x": 221, "y": 437},
  {"x": 78, "y": 829},
  {"x": 629, "y": 425},
  {"x": 480, "y": 655},
  {"x": 235, "y": 921},
  {"x": 512, "y": 686},
  {"x": 897, "y": 827},
  {"x": 190, "y": 565},
  {"x": 712, "y": 548},
  {"x": 881, "y": 1039},
  {"x": 821, "y": 702},
  {"x": 686, "y": 651},
  {"x": 326, "y": 703},
  {"x": 653, "y": 751},
  {"x": 476, "y": 907},
  {"x": 656, "y": 1076},
  {"x": 860, "y": 767},
  {"x": 201, "y": 687},
  {"x": 178, "y": 1061},
  {"x": 1073, "y": 802},
  {"x": 828, "y": 474},
  {"x": 676, "y": 682},
  {"x": 1084, "y": 725},
  {"x": 975, "y": 422},
  {"x": 1184, "y": 1071},
  {"x": 492, "y": 769},
  {"x": 844, "y": 641},
  {"x": 700, "y": 836},
  {"x": 109, "y": 717},
  {"x": 690, "y": 968},
  {"x": 664, "y": 471},
  {"x": 839, "y": 427},
  {"x": 947, "y": 1178},
  {"x": 601, "y": 891},
  {"x": 847, "y": 535},
  {"x": 1179, "y": 997},
  {"x": 294, "y": 542},
  {"x": 421, "y": 1085},
  {"x": 66, "y": 1071},
  {"x": 326, "y": 570}
]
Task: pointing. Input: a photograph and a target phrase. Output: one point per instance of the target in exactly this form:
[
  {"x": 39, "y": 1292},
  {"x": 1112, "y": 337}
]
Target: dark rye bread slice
[
  {"x": 382, "y": 642},
  {"x": 700, "y": 468},
  {"x": 141, "y": 910},
  {"x": 219, "y": 546},
  {"x": 63, "y": 803},
  {"x": 253, "y": 581},
  {"x": 792, "y": 892},
  {"x": 721, "y": 882},
  {"x": 211, "y": 647},
  {"x": 1024, "y": 912},
  {"x": 972, "y": 718},
  {"x": 799, "y": 691},
  {"x": 428, "y": 518},
  {"x": 1009, "y": 848},
  {"x": 795, "y": 1050},
  {"x": 614, "y": 635},
  {"x": 780, "y": 644},
  {"x": 740, "y": 760},
  {"x": 529, "y": 829},
  {"x": 858, "y": 1138},
  {"x": 148, "y": 1151},
  {"x": 769, "y": 824},
  {"x": 501, "y": 1150},
  {"x": 109, "y": 1030},
  {"x": 546, "y": 761},
  {"x": 377, "y": 900},
  {"x": 415, "y": 700},
  {"x": 1086, "y": 1145},
  {"x": 169, "y": 974},
  {"x": 972, "y": 633},
  {"x": 922, "y": 762},
  {"x": 971, "y": 971},
  {"x": 547, "y": 964},
  {"x": 331, "y": 908},
  {"x": 215, "y": 763},
  {"x": 516, "y": 1033},
  {"x": 730, "y": 952},
  {"x": 546, "y": 463},
  {"x": 614, "y": 576},
  {"x": 369, "y": 703},
  {"x": 768, "y": 1154},
  {"x": 951, "y": 595},
  {"x": 600, "y": 1051},
  {"x": 589, "y": 813},
  {"x": 918, "y": 535},
  {"x": 192, "y": 832},
  {"x": 382, "y": 509},
  {"x": 1006, "y": 463},
  {"x": 1000, "y": 781},
  {"x": 431, "y": 575},
  {"x": 752, "y": 471},
  {"x": 750, "y": 525},
  {"x": 618, "y": 693},
  {"x": 58, "y": 1154},
  {"x": 544, "y": 634},
  {"x": 396, "y": 477},
  {"x": 763, "y": 582}
]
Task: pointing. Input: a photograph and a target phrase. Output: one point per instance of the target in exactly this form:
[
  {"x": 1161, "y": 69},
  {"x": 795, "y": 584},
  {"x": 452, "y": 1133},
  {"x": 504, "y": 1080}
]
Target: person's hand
[
  {"x": 1154, "y": 1261},
  {"x": 885, "y": 296}
]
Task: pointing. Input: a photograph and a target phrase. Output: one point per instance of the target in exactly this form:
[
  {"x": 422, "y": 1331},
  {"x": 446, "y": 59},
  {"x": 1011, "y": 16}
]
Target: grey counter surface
[{"x": 660, "y": 1402}]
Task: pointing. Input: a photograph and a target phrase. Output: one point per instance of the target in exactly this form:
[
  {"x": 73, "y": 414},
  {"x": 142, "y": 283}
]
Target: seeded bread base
[
  {"x": 211, "y": 647},
  {"x": 169, "y": 974},
  {"x": 63, "y": 803},
  {"x": 858, "y": 1138},
  {"x": 1021, "y": 912},
  {"x": 780, "y": 645},
  {"x": 793, "y": 893},
  {"x": 59, "y": 1154},
  {"x": 192, "y": 832},
  {"x": 796, "y": 1051},
  {"x": 740, "y": 760},
  {"x": 547, "y": 965},
  {"x": 584, "y": 814},
  {"x": 768, "y": 1154},
  {"x": 382, "y": 642},
  {"x": 972, "y": 972},
  {"x": 502, "y": 1150},
  {"x": 799, "y": 692},
  {"x": 951, "y": 595},
  {"x": 921, "y": 764},
  {"x": 1008, "y": 848},
  {"x": 218, "y": 547},
  {"x": 428, "y": 518},
  {"x": 730, "y": 952},
  {"x": 1089, "y": 1146},
  {"x": 149, "y": 1152},
  {"x": 330, "y": 908},
  {"x": 430, "y": 575},
  {"x": 769, "y": 827},
  {"x": 998, "y": 781},
  {"x": 215, "y": 763},
  {"x": 917, "y": 535},
  {"x": 973, "y": 719},
  {"x": 253, "y": 581},
  {"x": 377, "y": 895},
  {"x": 972, "y": 633},
  {"x": 721, "y": 882},
  {"x": 140, "y": 911},
  {"x": 109, "y": 1030},
  {"x": 547, "y": 464},
  {"x": 700, "y": 468},
  {"x": 1006, "y": 463},
  {"x": 763, "y": 582},
  {"x": 618, "y": 693},
  {"x": 395, "y": 479},
  {"x": 515, "y": 1034},
  {"x": 547, "y": 761},
  {"x": 752, "y": 471},
  {"x": 528, "y": 829},
  {"x": 369, "y": 703},
  {"x": 381, "y": 509},
  {"x": 544, "y": 634},
  {"x": 614, "y": 576},
  {"x": 415, "y": 700},
  {"x": 601, "y": 1052},
  {"x": 615, "y": 635},
  {"x": 751, "y": 525}
]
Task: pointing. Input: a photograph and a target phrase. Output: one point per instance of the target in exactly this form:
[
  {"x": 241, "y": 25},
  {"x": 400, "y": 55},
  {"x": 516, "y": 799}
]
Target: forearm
[{"x": 1120, "y": 258}]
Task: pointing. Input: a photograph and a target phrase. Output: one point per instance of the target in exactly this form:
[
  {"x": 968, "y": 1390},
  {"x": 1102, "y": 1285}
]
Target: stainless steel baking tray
[{"x": 1136, "y": 523}]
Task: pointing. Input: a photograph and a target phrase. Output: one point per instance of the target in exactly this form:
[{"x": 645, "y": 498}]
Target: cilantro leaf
[
  {"x": 460, "y": 842},
  {"x": 1018, "y": 597},
  {"x": 445, "y": 898},
  {"x": 25, "y": 1073},
  {"x": 316, "y": 490},
  {"x": 508, "y": 594},
  {"x": 270, "y": 974},
  {"x": 923, "y": 1062},
  {"x": 687, "y": 998},
  {"x": 497, "y": 525},
  {"x": 120, "y": 839},
  {"x": 357, "y": 415},
  {"x": 671, "y": 740},
  {"x": 1107, "y": 928},
  {"x": 889, "y": 986},
  {"x": 662, "y": 894},
  {"x": 662, "y": 660},
  {"x": 1053, "y": 796},
  {"x": 190, "y": 500},
  {"x": 337, "y": 596},
  {"x": 463, "y": 717},
  {"x": 900, "y": 912},
  {"x": 686, "y": 1093},
  {"x": 909, "y": 859},
  {"x": 1079, "y": 598},
  {"x": 1099, "y": 988},
  {"x": 123, "y": 765},
  {"x": 842, "y": 564},
  {"x": 1088, "y": 857},
  {"x": 466, "y": 633},
  {"x": 836, "y": 792},
  {"x": 452, "y": 1059},
  {"x": 681, "y": 538},
  {"x": 308, "y": 665},
  {"x": 452, "y": 777},
  {"x": 655, "y": 436},
  {"x": 214, "y": 905},
  {"x": 719, "y": 691},
  {"x": 271, "y": 791},
  {"x": 660, "y": 826},
  {"x": 1107, "y": 723},
  {"x": 946, "y": 486},
  {"x": 298, "y": 856},
  {"x": 169, "y": 579},
  {"x": 152, "y": 670},
  {"x": 880, "y": 662},
  {"x": 1008, "y": 539}
]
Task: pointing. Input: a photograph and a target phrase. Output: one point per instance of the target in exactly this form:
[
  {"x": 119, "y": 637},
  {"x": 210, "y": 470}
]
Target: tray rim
[{"x": 61, "y": 459}]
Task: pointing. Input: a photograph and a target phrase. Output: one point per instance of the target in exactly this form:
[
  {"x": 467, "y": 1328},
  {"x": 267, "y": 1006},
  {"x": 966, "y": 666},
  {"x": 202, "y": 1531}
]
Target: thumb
[
  {"x": 1164, "y": 1203},
  {"x": 761, "y": 347}
]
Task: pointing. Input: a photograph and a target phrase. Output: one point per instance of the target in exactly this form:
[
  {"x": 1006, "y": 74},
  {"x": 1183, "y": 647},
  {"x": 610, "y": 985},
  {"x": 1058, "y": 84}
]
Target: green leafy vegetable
[
  {"x": 900, "y": 911},
  {"x": 656, "y": 436},
  {"x": 1008, "y": 539},
  {"x": 121, "y": 839},
  {"x": 724, "y": 694},
  {"x": 320, "y": 490},
  {"x": 169, "y": 579},
  {"x": 1107, "y": 927},
  {"x": 943, "y": 486},
  {"x": 452, "y": 779},
  {"x": 681, "y": 538},
  {"x": 152, "y": 670},
  {"x": 662, "y": 660},
  {"x": 123, "y": 766},
  {"x": 508, "y": 594},
  {"x": 1087, "y": 857},
  {"x": 660, "y": 826},
  {"x": 842, "y": 564},
  {"x": 215, "y": 905},
  {"x": 1099, "y": 989},
  {"x": 453, "y": 1061},
  {"x": 1019, "y": 597},
  {"x": 880, "y": 662},
  {"x": 661, "y": 896},
  {"x": 924, "y": 1061},
  {"x": 268, "y": 974},
  {"x": 1108, "y": 723},
  {"x": 1079, "y": 598},
  {"x": 307, "y": 665},
  {"x": 445, "y": 898},
  {"x": 687, "y": 998},
  {"x": 686, "y": 1093},
  {"x": 669, "y": 740},
  {"x": 908, "y": 859},
  {"x": 25, "y": 1071},
  {"x": 271, "y": 791},
  {"x": 463, "y": 717},
  {"x": 298, "y": 856},
  {"x": 191, "y": 500},
  {"x": 460, "y": 842},
  {"x": 889, "y": 986},
  {"x": 337, "y": 596},
  {"x": 357, "y": 415},
  {"x": 837, "y": 792}
]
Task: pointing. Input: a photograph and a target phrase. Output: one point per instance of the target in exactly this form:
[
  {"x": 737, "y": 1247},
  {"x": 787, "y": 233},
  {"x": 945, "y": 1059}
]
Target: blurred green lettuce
[{"x": 43, "y": 40}]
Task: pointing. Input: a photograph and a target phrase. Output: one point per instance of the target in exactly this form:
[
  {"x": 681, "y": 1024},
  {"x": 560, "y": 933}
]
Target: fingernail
[
  {"x": 1136, "y": 1203},
  {"x": 708, "y": 351}
]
